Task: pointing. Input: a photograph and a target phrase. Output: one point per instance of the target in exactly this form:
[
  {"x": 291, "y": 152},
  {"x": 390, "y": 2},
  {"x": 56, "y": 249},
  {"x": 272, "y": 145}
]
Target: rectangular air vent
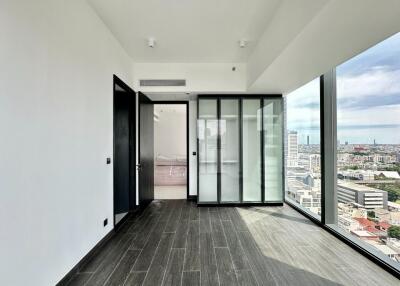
[{"x": 162, "y": 82}]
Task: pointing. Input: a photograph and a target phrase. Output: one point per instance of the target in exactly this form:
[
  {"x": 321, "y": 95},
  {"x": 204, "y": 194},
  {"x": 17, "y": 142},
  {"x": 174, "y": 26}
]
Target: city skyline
[{"x": 368, "y": 92}]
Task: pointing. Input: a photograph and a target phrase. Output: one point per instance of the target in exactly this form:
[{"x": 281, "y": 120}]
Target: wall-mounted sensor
[
  {"x": 151, "y": 42},
  {"x": 242, "y": 43}
]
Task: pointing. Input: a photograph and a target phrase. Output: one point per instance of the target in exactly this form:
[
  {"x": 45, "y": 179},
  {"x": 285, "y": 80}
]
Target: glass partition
[
  {"x": 208, "y": 150},
  {"x": 251, "y": 138},
  {"x": 240, "y": 146},
  {"x": 230, "y": 149},
  {"x": 273, "y": 148}
]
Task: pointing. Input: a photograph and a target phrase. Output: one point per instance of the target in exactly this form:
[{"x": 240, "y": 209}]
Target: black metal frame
[
  {"x": 186, "y": 103},
  {"x": 240, "y": 98},
  {"x": 322, "y": 145},
  {"x": 132, "y": 147},
  {"x": 320, "y": 221}
]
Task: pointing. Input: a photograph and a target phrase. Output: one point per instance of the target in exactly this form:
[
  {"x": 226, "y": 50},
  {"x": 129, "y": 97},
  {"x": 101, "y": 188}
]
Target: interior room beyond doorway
[{"x": 170, "y": 151}]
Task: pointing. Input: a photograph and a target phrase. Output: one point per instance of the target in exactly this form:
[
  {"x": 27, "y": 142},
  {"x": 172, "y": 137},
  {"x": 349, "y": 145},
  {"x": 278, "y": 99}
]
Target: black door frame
[
  {"x": 186, "y": 103},
  {"x": 132, "y": 147}
]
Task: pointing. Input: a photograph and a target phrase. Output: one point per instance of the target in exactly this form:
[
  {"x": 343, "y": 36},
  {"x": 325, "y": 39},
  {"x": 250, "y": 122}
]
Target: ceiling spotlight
[
  {"x": 151, "y": 42},
  {"x": 242, "y": 43}
]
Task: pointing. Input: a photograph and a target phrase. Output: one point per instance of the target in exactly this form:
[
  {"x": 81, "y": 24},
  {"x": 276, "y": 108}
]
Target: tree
[
  {"x": 353, "y": 167},
  {"x": 371, "y": 214},
  {"x": 393, "y": 190},
  {"x": 394, "y": 231}
]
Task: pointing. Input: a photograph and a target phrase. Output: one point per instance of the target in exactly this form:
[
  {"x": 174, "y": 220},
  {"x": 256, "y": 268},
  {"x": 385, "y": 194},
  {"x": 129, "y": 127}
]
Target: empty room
[
  {"x": 170, "y": 151},
  {"x": 213, "y": 142}
]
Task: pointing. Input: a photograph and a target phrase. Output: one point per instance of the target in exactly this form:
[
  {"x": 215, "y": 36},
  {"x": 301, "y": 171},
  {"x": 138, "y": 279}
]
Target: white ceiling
[
  {"x": 187, "y": 30},
  {"x": 338, "y": 31},
  {"x": 290, "y": 41}
]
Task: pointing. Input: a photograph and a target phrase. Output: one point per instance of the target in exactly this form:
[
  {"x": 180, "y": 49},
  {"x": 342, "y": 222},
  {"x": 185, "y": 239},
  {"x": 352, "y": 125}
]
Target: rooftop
[{"x": 357, "y": 187}]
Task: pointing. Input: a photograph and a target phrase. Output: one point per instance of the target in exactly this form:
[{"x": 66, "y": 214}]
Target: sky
[{"x": 368, "y": 95}]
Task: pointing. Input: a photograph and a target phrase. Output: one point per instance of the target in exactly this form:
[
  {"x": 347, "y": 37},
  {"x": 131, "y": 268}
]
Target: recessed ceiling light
[{"x": 151, "y": 42}]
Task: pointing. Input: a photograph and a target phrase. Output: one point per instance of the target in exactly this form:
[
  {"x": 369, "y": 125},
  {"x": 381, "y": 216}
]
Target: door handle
[{"x": 138, "y": 167}]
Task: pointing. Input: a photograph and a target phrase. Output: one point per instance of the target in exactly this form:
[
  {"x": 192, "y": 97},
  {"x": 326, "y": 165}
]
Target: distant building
[
  {"x": 382, "y": 158},
  {"x": 305, "y": 195},
  {"x": 363, "y": 175},
  {"x": 387, "y": 174},
  {"x": 393, "y": 207},
  {"x": 315, "y": 162},
  {"x": 348, "y": 224},
  {"x": 391, "y": 249},
  {"x": 382, "y": 215},
  {"x": 369, "y": 198},
  {"x": 352, "y": 210},
  {"x": 293, "y": 149},
  {"x": 365, "y": 235}
]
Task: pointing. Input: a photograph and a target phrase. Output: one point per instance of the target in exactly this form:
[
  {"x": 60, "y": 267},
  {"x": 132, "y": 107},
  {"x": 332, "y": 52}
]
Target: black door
[
  {"x": 146, "y": 149},
  {"x": 124, "y": 150}
]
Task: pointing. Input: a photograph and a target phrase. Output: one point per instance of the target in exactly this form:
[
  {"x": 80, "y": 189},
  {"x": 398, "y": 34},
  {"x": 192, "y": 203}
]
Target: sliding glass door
[
  {"x": 230, "y": 150},
  {"x": 240, "y": 146},
  {"x": 208, "y": 150},
  {"x": 251, "y": 137},
  {"x": 273, "y": 150}
]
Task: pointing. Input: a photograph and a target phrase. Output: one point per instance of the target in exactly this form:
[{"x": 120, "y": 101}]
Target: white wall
[
  {"x": 56, "y": 65},
  {"x": 170, "y": 130},
  {"x": 200, "y": 77}
]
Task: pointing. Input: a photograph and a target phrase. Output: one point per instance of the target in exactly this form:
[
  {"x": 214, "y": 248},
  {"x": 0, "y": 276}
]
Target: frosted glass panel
[
  {"x": 273, "y": 148},
  {"x": 251, "y": 150},
  {"x": 229, "y": 132},
  {"x": 208, "y": 151}
]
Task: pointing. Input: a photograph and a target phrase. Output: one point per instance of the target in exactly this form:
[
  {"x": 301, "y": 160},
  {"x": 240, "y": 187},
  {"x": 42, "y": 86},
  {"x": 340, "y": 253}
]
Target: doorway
[
  {"x": 171, "y": 168},
  {"x": 124, "y": 150}
]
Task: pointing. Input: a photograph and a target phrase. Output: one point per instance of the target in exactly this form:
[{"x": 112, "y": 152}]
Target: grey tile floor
[{"x": 178, "y": 243}]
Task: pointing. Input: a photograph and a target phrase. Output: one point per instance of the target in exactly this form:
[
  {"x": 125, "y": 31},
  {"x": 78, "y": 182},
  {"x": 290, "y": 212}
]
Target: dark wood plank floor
[{"x": 177, "y": 243}]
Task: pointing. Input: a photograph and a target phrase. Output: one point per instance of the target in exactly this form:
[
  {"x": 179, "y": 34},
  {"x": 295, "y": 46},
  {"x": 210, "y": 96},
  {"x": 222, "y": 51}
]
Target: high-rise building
[{"x": 293, "y": 149}]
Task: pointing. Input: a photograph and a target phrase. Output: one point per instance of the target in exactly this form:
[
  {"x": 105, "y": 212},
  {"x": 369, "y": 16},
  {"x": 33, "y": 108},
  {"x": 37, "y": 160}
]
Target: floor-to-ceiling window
[
  {"x": 368, "y": 148},
  {"x": 302, "y": 147}
]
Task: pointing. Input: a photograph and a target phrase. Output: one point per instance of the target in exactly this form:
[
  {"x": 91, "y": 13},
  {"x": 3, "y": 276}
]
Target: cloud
[
  {"x": 377, "y": 86},
  {"x": 368, "y": 96}
]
